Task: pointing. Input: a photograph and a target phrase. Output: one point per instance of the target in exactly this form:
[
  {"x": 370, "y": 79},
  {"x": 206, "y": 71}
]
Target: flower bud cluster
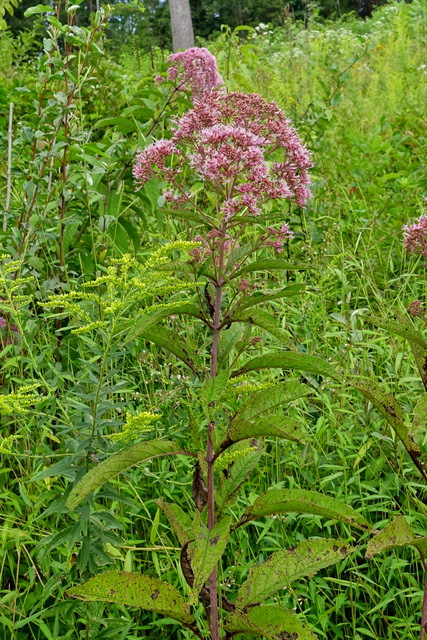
[
  {"x": 194, "y": 70},
  {"x": 415, "y": 237}
]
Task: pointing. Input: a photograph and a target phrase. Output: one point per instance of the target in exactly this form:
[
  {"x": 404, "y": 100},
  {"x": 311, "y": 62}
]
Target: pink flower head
[
  {"x": 277, "y": 236},
  {"x": 195, "y": 70},
  {"x": 415, "y": 237},
  {"x": 416, "y": 308}
]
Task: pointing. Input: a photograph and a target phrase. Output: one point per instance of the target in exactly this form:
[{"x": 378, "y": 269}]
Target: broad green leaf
[
  {"x": 419, "y": 422},
  {"x": 269, "y": 264},
  {"x": 135, "y": 590},
  {"x": 177, "y": 266},
  {"x": 400, "y": 327},
  {"x": 117, "y": 463},
  {"x": 227, "y": 341},
  {"x": 390, "y": 409},
  {"x": 397, "y": 534},
  {"x": 263, "y": 320},
  {"x": 272, "y": 623},
  {"x": 251, "y": 417},
  {"x": 213, "y": 388},
  {"x": 208, "y": 549},
  {"x": 275, "y": 426},
  {"x": 125, "y": 125},
  {"x": 40, "y": 8},
  {"x": 235, "y": 477},
  {"x": 179, "y": 521},
  {"x": 290, "y": 360},
  {"x": 284, "y": 567},
  {"x": 303, "y": 501},
  {"x": 151, "y": 318},
  {"x": 257, "y": 298},
  {"x": 170, "y": 341}
]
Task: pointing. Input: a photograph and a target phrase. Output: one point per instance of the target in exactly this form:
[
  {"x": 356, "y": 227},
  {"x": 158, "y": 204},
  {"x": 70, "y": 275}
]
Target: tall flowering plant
[{"x": 228, "y": 166}]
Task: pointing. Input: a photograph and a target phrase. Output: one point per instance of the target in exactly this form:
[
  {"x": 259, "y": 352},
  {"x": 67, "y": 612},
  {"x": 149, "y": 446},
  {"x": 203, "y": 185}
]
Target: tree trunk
[{"x": 182, "y": 26}]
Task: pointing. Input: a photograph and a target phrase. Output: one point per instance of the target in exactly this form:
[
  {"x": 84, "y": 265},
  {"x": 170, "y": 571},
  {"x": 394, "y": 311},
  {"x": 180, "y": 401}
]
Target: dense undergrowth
[{"x": 357, "y": 91}]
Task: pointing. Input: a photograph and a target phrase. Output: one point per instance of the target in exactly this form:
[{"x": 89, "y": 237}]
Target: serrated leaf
[
  {"x": 269, "y": 264},
  {"x": 303, "y": 501},
  {"x": 391, "y": 410},
  {"x": 290, "y": 360},
  {"x": 151, "y": 318},
  {"x": 213, "y": 388},
  {"x": 284, "y": 567},
  {"x": 227, "y": 341},
  {"x": 257, "y": 298},
  {"x": 397, "y": 534},
  {"x": 236, "y": 475},
  {"x": 135, "y": 590},
  {"x": 208, "y": 549},
  {"x": 251, "y": 420},
  {"x": 117, "y": 463},
  {"x": 419, "y": 422},
  {"x": 272, "y": 623},
  {"x": 263, "y": 320},
  {"x": 275, "y": 426},
  {"x": 170, "y": 341},
  {"x": 180, "y": 522}
]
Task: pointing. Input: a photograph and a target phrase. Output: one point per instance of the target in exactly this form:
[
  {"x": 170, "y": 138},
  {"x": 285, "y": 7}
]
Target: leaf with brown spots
[
  {"x": 273, "y": 623},
  {"x": 303, "y": 501},
  {"x": 180, "y": 522},
  {"x": 396, "y": 534},
  {"x": 135, "y": 590},
  {"x": 117, "y": 463},
  {"x": 199, "y": 490},
  {"x": 235, "y": 475},
  {"x": 284, "y": 567},
  {"x": 208, "y": 549}
]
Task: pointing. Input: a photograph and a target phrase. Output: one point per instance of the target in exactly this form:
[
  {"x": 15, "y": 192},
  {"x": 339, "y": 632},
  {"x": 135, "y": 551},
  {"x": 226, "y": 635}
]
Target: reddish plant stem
[{"x": 210, "y": 448}]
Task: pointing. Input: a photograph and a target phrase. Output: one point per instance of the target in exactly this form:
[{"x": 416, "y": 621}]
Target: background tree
[{"x": 182, "y": 26}]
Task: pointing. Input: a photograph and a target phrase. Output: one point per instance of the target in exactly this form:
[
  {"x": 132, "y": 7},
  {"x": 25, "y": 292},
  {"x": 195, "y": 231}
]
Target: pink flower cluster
[
  {"x": 241, "y": 146},
  {"x": 194, "y": 70},
  {"x": 276, "y": 237},
  {"x": 415, "y": 237},
  {"x": 416, "y": 309}
]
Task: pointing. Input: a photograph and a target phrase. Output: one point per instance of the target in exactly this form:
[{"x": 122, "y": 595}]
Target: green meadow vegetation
[{"x": 102, "y": 351}]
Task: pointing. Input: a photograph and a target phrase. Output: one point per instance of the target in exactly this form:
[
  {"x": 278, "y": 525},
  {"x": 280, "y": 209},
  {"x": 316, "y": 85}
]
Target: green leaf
[
  {"x": 275, "y": 426},
  {"x": 303, "y": 501},
  {"x": 208, "y": 549},
  {"x": 290, "y": 360},
  {"x": 236, "y": 475},
  {"x": 40, "y": 8},
  {"x": 391, "y": 410},
  {"x": 213, "y": 388},
  {"x": 135, "y": 590},
  {"x": 153, "y": 317},
  {"x": 247, "y": 420},
  {"x": 124, "y": 125},
  {"x": 268, "y": 264},
  {"x": 258, "y": 298},
  {"x": 179, "y": 521},
  {"x": 284, "y": 567},
  {"x": 272, "y": 623},
  {"x": 227, "y": 341},
  {"x": 117, "y": 463},
  {"x": 263, "y": 320},
  {"x": 419, "y": 422},
  {"x": 397, "y": 534},
  {"x": 170, "y": 341}
]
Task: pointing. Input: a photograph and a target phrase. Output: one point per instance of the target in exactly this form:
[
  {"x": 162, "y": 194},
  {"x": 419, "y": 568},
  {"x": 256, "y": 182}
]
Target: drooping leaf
[
  {"x": 208, "y": 549},
  {"x": 290, "y": 360},
  {"x": 263, "y": 320},
  {"x": 151, "y": 318},
  {"x": 303, "y": 501},
  {"x": 391, "y": 410},
  {"x": 199, "y": 490},
  {"x": 117, "y": 463},
  {"x": 214, "y": 387},
  {"x": 135, "y": 590},
  {"x": 272, "y": 623},
  {"x": 396, "y": 534},
  {"x": 171, "y": 342},
  {"x": 253, "y": 411},
  {"x": 180, "y": 522},
  {"x": 284, "y": 567},
  {"x": 235, "y": 476},
  {"x": 269, "y": 264},
  {"x": 403, "y": 326},
  {"x": 275, "y": 426},
  {"x": 419, "y": 422},
  {"x": 257, "y": 298}
]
